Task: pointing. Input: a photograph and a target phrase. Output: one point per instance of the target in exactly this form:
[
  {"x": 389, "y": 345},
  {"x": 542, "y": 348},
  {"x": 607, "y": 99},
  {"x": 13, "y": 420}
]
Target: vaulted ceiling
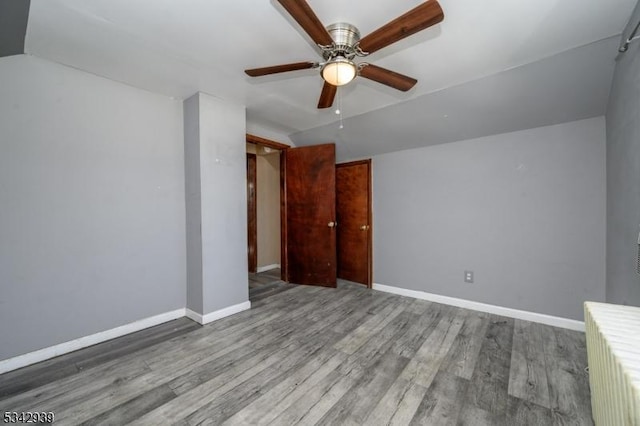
[{"x": 489, "y": 67}]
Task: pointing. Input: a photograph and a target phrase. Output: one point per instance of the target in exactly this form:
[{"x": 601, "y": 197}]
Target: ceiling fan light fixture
[{"x": 339, "y": 71}]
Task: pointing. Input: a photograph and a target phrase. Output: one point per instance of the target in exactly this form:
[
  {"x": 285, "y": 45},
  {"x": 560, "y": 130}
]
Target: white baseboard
[
  {"x": 93, "y": 339},
  {"x": 219, "y": 314},
  {"x": 267, "y": 267},
  {"x": 86, "y": 341},
  {"x": 483, "y": 307}
]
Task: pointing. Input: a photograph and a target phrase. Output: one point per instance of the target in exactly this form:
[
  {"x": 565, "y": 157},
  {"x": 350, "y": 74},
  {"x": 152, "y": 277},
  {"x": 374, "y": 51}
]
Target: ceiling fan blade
[
  {"x": 417, "y": 19},
  {"x": 257, "y": 72},
  {"x": 327, "y": 95},
  {"x": 387, "y": 77},
  {"x": 304, "y": 15}
]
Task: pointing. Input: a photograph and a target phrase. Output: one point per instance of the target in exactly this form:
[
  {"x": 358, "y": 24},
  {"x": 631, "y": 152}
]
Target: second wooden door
[{"x": 353, "y": 212}]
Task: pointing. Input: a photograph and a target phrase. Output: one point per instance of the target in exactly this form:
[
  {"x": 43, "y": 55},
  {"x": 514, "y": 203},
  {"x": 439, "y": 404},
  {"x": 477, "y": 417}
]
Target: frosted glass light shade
[{"x": 339, "y": 72}]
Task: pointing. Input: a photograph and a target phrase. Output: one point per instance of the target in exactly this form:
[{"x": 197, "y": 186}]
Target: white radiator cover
[{"x": 613, "y": 350}]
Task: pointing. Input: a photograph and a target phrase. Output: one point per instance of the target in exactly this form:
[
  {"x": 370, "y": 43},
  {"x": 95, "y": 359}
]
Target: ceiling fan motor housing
[{"x": 345, "y": 37}]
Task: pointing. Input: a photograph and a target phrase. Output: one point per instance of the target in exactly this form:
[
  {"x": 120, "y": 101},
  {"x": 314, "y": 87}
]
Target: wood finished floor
[{"x": 310, "y": 355}]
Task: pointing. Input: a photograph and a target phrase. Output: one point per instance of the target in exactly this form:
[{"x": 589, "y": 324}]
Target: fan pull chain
[{"x": 339, "y": 110}]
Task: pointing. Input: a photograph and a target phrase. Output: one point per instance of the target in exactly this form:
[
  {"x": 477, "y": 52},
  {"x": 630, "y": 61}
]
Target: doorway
[
  {"x": 263, "y": 212},
  {"x": 324, "y": 211}
]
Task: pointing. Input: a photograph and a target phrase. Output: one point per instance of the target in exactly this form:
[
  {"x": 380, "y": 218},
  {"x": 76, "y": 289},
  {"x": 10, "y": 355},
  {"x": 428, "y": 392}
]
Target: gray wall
[
  {"x": 572, "y": 85},
  {"x": 223, "y": 169},
  {"x": 216, "y": 181},
  {"x": 193, "y": 202},
  {"x": 14, "y": 15},
  {"x": 525, "y": 211},
  {"x": 91, "y": 204},
  {"x": 623, "y": 176}
]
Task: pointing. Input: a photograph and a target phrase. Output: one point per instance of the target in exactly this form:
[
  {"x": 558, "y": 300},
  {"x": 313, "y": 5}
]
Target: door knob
[
  {"x": 332, "y": 224},
  {"x": 364, "y": 227}
]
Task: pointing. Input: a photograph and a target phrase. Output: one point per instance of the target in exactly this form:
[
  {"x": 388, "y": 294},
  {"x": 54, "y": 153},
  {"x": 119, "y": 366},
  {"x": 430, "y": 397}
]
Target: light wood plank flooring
[{"x": 311, "y": 355}]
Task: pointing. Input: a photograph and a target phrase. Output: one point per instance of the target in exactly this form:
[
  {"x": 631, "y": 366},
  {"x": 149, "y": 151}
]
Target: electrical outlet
[{"x": 468, "y": 276}]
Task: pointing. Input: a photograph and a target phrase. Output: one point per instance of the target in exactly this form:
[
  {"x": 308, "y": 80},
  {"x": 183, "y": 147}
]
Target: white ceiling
[{"x": 178, "y": 47}]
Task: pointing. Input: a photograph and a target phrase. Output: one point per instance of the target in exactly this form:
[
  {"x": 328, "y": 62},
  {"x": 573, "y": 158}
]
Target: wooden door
[
  {"x": 353, "y": 212},
  {"x": 310, "y": 215},
  {"x": 252, "y": 216}
]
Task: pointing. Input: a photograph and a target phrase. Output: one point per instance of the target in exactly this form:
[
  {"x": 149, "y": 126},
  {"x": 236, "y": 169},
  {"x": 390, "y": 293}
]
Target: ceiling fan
[{"x": 341, "y": 43}]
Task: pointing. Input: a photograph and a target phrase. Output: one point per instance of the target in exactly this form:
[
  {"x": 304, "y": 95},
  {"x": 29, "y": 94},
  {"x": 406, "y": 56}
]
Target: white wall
[
  {"x": 525, "y": 211},
  {"x": 92, "y": 222}
]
